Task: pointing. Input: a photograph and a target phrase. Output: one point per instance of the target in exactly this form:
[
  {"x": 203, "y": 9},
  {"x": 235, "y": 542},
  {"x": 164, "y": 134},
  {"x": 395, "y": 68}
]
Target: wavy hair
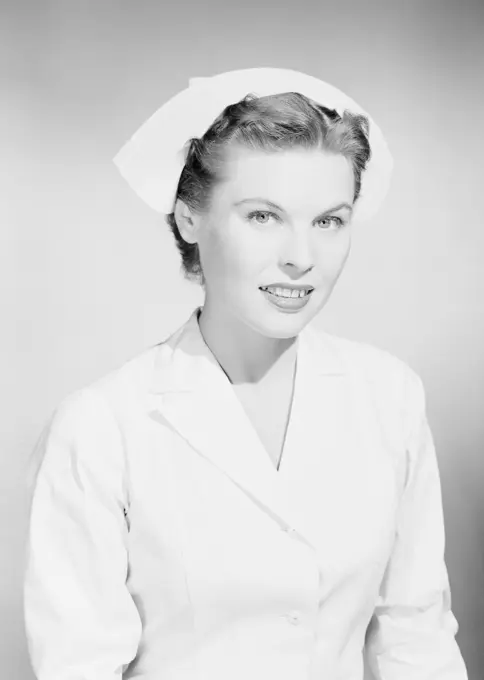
[{"x": 271, "y": 123}]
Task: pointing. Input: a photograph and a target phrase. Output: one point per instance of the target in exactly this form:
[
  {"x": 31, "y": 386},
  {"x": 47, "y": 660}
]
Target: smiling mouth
[{"x": 287, "y": 292}]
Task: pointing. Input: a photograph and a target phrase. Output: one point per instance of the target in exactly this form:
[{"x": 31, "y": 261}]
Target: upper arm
[
  {"x": 412, "y": 632},
  {"x": 79, "y": 615}
]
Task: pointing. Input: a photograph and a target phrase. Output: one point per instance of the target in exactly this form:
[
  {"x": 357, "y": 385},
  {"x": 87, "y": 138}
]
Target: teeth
[{"x": 287, "y": 292}]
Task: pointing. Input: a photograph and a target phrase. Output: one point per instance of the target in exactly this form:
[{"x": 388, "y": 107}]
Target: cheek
[
  {"x": 225, "y": 253},
  {"x": 333, "y": 253}
]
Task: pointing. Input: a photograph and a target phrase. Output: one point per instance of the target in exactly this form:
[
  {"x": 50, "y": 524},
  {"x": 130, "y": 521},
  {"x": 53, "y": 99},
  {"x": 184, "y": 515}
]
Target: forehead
[{"x": 288, "y": 177}]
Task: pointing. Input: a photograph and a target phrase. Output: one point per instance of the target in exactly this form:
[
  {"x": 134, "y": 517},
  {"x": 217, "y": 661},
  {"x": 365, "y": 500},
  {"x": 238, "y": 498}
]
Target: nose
[{"x": 296, "y": 253}]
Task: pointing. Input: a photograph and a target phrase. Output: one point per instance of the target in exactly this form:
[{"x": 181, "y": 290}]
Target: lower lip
[{"x": 287, "y": 304}]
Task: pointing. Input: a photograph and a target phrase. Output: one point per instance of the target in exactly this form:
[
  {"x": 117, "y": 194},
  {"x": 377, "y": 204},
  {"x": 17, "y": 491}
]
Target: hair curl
[{"x": 270, "y": 123}]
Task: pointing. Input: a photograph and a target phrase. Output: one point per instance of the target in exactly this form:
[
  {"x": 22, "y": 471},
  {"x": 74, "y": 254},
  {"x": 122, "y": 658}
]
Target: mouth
[{"x": 292, "y": 292}]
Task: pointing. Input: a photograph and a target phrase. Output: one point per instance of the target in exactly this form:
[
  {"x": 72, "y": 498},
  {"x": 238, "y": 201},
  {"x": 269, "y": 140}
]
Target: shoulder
[
  {"x": 389, "y": 376},
  {"x": 368, "y": 360},
  {"x": 97, "y": 403},
  {"x": 84, "y": 429},
  {"x": 386, "y": 388}
]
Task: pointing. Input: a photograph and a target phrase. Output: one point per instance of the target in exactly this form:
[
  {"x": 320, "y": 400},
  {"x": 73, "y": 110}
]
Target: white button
[{"x": 294, "y": 618}]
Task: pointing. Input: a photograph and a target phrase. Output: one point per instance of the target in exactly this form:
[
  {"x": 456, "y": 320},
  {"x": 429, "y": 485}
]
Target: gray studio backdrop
[{"x": 91, "y": 276}]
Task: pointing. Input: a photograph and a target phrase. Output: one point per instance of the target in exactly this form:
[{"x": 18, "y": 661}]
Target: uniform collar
[{"x": 184, "y": 361}]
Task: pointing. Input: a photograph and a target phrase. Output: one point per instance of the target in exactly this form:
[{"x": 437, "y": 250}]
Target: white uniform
[{"x": 164, "y": 545}]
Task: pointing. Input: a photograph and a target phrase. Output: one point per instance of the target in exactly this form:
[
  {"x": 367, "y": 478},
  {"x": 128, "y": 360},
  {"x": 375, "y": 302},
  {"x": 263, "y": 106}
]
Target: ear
[{"x": 187, "y": 222}]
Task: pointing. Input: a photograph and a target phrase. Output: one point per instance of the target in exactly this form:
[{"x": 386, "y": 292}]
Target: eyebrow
[{"x": 270, "y": 204}]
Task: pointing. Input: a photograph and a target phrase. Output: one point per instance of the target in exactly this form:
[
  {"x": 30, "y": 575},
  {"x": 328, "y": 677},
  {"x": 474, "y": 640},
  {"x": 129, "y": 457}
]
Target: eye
[
  {"x": 261, "y": 216},
  {"x": 331, "y": 220}
]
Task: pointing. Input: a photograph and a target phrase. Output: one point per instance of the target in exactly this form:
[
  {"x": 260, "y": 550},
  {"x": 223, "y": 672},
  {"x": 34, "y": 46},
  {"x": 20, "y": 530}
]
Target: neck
[{"x": 246, "y": 357}]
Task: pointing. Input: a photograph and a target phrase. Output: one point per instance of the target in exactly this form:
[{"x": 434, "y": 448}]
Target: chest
[
  {"x": 201, "y": 457},
  {"x": 206, "y": 510},
  {"x": 268, "y": 412}
]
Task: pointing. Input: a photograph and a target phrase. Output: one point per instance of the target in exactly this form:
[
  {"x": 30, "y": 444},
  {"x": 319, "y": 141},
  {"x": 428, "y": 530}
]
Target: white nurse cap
[{"x": 152, "y": 160}]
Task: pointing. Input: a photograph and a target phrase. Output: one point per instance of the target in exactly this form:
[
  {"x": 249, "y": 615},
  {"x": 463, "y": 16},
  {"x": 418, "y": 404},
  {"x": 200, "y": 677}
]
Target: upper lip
[{"x": 290, "y": 286}]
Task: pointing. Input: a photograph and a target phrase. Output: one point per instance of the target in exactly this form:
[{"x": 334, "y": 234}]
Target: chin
[
  {"x": 282, "y": 325},
  {"x": 285, "y": 325}
]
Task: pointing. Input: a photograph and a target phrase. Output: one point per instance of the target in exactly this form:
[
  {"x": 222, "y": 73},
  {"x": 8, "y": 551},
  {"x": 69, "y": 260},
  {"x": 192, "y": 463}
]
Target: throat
[{"x": 246, "y": 357}]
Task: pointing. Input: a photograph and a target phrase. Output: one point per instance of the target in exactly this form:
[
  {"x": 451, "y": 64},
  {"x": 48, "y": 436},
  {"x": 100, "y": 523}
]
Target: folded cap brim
[{"x": 152, "y": 160}]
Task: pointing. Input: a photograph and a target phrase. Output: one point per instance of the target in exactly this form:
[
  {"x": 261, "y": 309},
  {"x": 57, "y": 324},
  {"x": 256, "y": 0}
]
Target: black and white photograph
[{"x": 243, "y": 371}]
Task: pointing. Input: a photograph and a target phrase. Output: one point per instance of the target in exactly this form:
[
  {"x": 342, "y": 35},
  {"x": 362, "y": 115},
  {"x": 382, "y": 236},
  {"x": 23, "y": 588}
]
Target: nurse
[{"x": 251, "y": 498}]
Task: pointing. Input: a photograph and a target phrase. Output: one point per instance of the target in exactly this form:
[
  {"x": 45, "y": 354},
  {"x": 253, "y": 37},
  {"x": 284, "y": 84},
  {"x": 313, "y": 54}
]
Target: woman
[{"x": 251, "y": 498}]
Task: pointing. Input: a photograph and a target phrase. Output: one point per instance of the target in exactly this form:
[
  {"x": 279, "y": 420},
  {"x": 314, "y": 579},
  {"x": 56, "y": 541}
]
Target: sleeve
[
  {"x": 411, "y": 635},
  {"x": 80, "y": 620}
]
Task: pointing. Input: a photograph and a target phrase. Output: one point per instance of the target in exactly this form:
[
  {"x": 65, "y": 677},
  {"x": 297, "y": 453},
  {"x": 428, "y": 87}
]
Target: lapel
[{"x": 191, "y": 393}]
